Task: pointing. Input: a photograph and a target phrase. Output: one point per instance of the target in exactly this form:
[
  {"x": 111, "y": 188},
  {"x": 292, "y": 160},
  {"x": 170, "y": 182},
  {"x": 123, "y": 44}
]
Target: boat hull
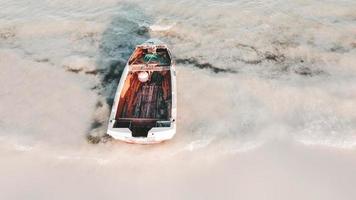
[{"x": 145, "y": 113}]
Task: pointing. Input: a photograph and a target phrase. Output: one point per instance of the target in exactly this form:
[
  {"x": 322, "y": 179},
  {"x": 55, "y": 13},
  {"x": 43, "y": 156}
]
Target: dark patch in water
[
  {"x": 113, "y": 73},
  {"x": 93, "y": 72},
  {"x": 95, "y": 124},
  {"x": 250, "y": 62},
  {"x": 117, "y": 43},
  {"x": 306, "y": 71},
  {"x": 6, "y": 34},
  {"x": 199, "y": 65},
  {"x": 73, "y": 70},
  {"x": 250, "y": 48},
  {"x": 110, "y": 101},
  {"x": 93, "y": 139},
  {"x": 42, "y": 60},
  {"x": 274, "y": 57},
  {"x": 98, "y": 139},
  {"x": 95, "y": 87},
  {"x": 262, "y": 56},
  {"x": 99, "y": 104},
  {"x": 338, "y": 49},
  {"x": 280, "y": 59},
  {"x": 142, "y": 31}
]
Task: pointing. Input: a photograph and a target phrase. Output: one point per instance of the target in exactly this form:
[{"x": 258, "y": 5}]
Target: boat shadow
[{"x": 128, "y": 27}]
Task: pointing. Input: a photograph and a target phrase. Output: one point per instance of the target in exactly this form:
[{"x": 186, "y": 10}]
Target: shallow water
[{"x": 256, "y": 79}]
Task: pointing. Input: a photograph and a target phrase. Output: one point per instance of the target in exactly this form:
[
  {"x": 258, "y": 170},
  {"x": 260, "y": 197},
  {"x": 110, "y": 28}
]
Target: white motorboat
[{"x": 145, "y": 105}]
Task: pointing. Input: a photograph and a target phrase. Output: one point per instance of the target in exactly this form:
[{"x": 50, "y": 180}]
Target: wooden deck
[{"x": 147, "y": 100}]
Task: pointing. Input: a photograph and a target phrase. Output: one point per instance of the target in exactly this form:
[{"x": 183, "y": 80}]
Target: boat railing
[{"x": 149, "y": 67}]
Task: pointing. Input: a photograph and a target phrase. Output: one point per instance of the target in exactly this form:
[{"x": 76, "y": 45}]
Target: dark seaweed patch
[
  {"x": 74, "y": 70},
  {"x": 98, "y": 139},
  {"x": 99, "y": 104},
  {"x": 274, "y": 57},
  {"x": 7, "y": 34},
  {"x": 95, "y": 87},
  {"x": 199, "y": 65},
  {"x": 93, "y": 139},
  {"x": 338, "y": 49},
  {"x": 281, "y": 60},
  {"x": 93, "y": 72},
  {"x": 250, "y": 48},
  {"x": 42, "y": 60},
  {"x": 306, "y": 71},
  {"x": 250, "y": 62},
  {"x": 262, "y": 56}
]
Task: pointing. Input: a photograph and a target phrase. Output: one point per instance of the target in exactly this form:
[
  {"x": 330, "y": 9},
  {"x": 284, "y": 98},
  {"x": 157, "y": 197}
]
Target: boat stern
[{"x": 155, "y": 135}]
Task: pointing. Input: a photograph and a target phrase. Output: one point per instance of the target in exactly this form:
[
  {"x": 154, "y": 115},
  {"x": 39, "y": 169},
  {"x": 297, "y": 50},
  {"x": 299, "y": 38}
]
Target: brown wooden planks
[{"x": 146, "y": 100}]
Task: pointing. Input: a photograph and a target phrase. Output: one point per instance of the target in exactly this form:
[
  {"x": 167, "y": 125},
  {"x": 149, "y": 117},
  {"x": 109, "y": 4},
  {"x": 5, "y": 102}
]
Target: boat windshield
[{"x": 142, "y": 56}]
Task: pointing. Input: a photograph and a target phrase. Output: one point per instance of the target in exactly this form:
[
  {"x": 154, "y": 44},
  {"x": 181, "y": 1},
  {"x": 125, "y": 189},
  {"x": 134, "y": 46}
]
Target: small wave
[{"x": 335, "y": 143}]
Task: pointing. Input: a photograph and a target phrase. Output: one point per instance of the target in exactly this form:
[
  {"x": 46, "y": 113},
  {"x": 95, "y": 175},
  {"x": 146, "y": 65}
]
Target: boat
[{"x": 145, "y": 106}]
